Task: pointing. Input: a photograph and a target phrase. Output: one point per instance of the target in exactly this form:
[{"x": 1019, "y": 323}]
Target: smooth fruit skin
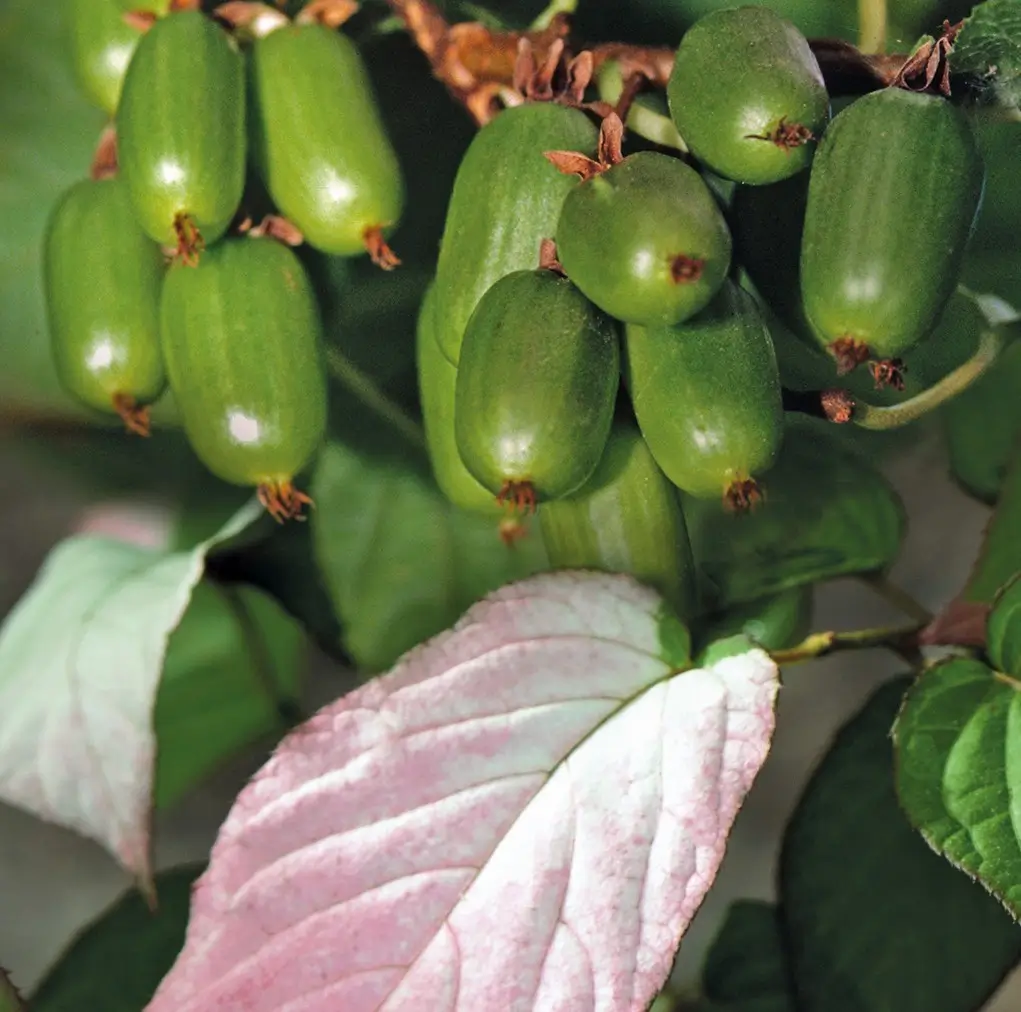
[
  {"x": 506, "y": 200},
  {"x": 241, "y": 338},
  {"x": 102, "y": 44},
  {"x": 620, "y": 235},
  {"x": 743, "y": 81},
  {"x": 536, "y": 386},
  {"x": 707, "y": 395},
  {"x": 318, "y": 139},
  {"x": 437, "y": 383},
  {"x": 894, "y": 192},
  {"x": 102, "y": 278},
  {"x": 625, "y": 519},
  {"x": 181, "y": 127}
]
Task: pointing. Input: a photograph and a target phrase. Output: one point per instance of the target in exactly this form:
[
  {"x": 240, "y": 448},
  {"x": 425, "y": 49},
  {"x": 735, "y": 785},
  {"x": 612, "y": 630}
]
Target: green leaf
[
  {"x": 827, "y": 513},
  {"x": 1000, "y": 557},
  {"x": 989, "y": 46},
  {"x": 746, "y": 967},
  {"x": 281, "y": 562},
  {"x": 400, "y": 562},
  {"x": 958, "y": 743},
  {"x": 117, "y": 962},
  {"x": 49, "y": 132},
  {"x": 982, "y": 426},
  {"x": 80, "y": 661},
  {"x": 232, "y": 676},
  {"x": 1003, "y": 630},
  {"x": 10, "y": 1000},
  {"x": 774, "y": 622},
  {"x": 873, "y": 919}
]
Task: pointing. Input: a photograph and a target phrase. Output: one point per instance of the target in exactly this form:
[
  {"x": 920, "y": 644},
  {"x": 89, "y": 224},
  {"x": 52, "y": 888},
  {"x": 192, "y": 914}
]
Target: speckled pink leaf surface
[{"x": 523, "y": 815}]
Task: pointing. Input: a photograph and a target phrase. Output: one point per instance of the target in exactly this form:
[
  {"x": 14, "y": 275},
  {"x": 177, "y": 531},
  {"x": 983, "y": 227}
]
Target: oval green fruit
[
  {"x": 625, "y": 519},
  {"x": 103, "y": 42},
  {"x": 536, "y": 387},
  {"x": 241, "y": 338},
  {"x": 181, "y": 131},
  {"x": 437, "y": 383},
  {"x": 707, "y": 397},
  {"x": 506, "y": 200},
  {"x": 102, "y": 278},
  {"x": 319, "y": 142},
  {"x": 748, "y": 96},
  {"x": 894, "y": 191},
  {"x": 645, "y": 240}
]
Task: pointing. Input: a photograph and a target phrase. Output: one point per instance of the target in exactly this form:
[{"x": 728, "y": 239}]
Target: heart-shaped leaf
[
  {"x": 399, "y": 561},
  {"x": 80, "y": 662},
  {"x": 827, "y": 513},
  {"x": 873, "y": 920},
  {"x": 746, "y": 967},
  {"x": 10, "y": 1000},
  {"x": 116, "y": 963},
  {"x": 524, "y": 814},
  {"x": 958, "y": 742}
]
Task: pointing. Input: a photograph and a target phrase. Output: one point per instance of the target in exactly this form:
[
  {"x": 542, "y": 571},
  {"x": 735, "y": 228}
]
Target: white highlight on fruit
[
  {"x": 101, "y": 355},
  {"x": 170, "y": 172},
  {"x": 339, "y": 191},
  {"x": 243, "y": 428},
  {"x": 863, "y": 288}
]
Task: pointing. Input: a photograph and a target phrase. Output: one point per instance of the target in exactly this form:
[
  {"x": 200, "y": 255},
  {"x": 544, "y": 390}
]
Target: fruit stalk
[
  {"x": 868, "y": 416},
  {"x": 872, "y": 26},
  {"x": 345, "y": 372}
]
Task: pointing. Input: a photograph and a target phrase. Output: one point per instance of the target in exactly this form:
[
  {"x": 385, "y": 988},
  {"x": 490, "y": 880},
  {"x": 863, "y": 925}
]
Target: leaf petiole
[{"x": 820, "y": 644}]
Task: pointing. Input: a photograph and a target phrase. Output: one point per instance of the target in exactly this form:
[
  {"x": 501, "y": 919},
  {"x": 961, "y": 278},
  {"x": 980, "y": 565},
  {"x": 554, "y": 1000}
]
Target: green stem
[
  {"x": 347, "y": 373},
  {"x": 899, "y": 598},
  {"x": 872, "y": 26},
  {"x": 556, "y": 7},
  {"x": 990, "y": 344},
  {"x": 640, "y": 118},
  {"x": 823, "y": 643}
]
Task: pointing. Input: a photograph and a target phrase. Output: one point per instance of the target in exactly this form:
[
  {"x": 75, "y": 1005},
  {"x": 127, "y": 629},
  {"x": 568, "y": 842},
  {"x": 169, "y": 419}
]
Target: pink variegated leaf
[{"x": 523, "y": 815}]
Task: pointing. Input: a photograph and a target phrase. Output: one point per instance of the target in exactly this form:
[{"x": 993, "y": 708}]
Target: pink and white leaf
[
  {"x": 80, "y": 661},
  {"x": 523, "y": 815}
]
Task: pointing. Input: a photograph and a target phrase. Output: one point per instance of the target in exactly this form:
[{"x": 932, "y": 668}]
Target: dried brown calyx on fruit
[
  {"x": 608, "y": 154},
  {"x": 928, "y": 67}
]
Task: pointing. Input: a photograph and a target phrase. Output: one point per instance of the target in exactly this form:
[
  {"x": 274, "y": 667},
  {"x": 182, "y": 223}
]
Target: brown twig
[{"x": 477, "y": 64}]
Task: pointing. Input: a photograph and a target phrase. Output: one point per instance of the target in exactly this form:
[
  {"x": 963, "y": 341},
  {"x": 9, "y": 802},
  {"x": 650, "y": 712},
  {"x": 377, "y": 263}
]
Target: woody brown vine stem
[{"x": 477, "y": 63}]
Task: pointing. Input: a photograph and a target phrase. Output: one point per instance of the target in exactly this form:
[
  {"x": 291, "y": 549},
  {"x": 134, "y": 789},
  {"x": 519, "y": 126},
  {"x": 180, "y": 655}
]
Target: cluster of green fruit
[
  {"x": 145, "y": 287},
  {"x": 520, "y": 366},
  {"x": 548, "y": 288}
]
